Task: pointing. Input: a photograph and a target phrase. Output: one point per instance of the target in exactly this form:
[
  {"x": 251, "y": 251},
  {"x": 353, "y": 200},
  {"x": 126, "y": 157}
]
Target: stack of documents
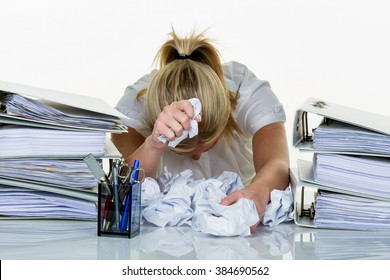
[
  {"x": 18, "y": 202},
  {"x": 23, "y": 141},
  {"x": 44, "y": 137},
  {"x": 30, "y": 109},
  {"x": 342, "y": 137},
  {"x": 38, "y": 107},
  {"x": 365, "y": 175},
  {"x": 335, "y": 210},
  {"x": 72, "y": 173},
  {"x": 347, "y": 184}
]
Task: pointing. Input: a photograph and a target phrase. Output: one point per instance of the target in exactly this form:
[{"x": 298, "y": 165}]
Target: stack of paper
[
  {"x": 361, "y": 174},
  {"x": 44, "y": 136},
  {"x": 335, "y": 210},
  {"x": 71, "y": 173},
  {"x": 349, "y": 176},
  {"x": 38, "y": 107},
  {"x": 56, "y": 114},
  {"x": 365, "y": 179},
  {"x": 18, "y": 202},
  {"x": 21, "y": 141},
  {"x": 340, "y": 137}
]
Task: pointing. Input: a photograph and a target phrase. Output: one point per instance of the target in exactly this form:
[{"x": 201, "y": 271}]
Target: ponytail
[{"x": 195, "y": 47}]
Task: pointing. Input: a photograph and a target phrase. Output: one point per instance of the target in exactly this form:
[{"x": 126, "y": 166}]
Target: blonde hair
[{"x": 190, "y": 67}]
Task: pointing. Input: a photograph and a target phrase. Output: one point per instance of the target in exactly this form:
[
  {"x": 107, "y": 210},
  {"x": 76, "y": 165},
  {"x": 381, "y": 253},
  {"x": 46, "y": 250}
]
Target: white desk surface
[{"x": 74, "y": 240}]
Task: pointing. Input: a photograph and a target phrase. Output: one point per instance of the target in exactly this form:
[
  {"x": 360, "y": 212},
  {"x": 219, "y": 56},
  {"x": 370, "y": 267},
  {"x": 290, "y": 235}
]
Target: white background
[{"x": 334, "y": 50}]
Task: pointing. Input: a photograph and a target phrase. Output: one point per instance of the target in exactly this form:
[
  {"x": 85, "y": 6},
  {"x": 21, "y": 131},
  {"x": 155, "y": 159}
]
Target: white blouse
[{"x": 257, "y": 107}]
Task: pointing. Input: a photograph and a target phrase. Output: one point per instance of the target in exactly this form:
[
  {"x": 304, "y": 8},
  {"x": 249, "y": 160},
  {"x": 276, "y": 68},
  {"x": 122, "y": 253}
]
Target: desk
[{"x": 67, "y": 240}]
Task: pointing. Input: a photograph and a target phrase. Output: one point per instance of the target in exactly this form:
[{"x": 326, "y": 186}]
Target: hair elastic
[{"x": 183, "y": 56}]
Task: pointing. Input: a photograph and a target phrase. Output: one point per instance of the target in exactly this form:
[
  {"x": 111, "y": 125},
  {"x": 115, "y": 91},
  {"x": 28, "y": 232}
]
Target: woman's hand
[
  {"x": 172, "y": 121},
  {"x": 259, "y": 198}
]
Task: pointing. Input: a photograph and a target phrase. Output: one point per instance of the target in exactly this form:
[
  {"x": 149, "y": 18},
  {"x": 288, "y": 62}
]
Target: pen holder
[{"x": 120, "y": 217}]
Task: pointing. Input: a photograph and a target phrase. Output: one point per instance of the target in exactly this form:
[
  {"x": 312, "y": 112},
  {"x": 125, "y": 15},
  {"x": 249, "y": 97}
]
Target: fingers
[
  {"x": 185, "y": 106},
  {"x": 232, "y": 198},
  {"x": 174, "y": 119},
  {"x": 198, "y": 118},
  {"x": 252, "y": 228}
]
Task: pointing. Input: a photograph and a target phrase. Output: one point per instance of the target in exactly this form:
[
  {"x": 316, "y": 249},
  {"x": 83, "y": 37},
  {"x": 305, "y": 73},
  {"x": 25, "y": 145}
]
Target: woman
[{"x": 240, "y": 128}]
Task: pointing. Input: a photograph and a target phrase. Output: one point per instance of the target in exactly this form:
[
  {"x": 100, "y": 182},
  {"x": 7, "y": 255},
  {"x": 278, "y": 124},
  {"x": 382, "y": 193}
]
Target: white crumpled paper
[
  {"x": 280, "y": 209},
  {"x": 179, "y": 200},
  {"x": 172, "y": 208},
  {"x": 221, "y": 220}
]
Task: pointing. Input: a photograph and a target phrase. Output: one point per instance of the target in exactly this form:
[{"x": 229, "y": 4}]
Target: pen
[
  {"x": 125, "y": 216},
  {"x": 115, "y": 190},
  {"x": 110, "y": 215},
  {"x": 105, "y": 210}
]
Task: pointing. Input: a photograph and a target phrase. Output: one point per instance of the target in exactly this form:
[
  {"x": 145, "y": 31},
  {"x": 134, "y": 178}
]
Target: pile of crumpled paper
[{"x": 180, "y": 200}]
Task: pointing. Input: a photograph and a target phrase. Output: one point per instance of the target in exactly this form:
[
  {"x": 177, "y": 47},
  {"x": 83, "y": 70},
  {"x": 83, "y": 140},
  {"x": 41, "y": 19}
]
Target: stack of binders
[
  {"x": 44, "y": 137},
  {"x": 346, "y": 185}
]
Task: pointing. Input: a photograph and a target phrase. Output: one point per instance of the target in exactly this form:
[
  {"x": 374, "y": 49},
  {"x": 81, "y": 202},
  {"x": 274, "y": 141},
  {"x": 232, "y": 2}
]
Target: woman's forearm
[
  {"x": 149, "y": 157},
  {"x": 273, "y": 175},
  {"x": 133, "y": 145}
]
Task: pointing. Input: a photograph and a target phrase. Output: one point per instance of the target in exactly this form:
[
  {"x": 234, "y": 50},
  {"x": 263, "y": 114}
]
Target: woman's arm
[
  {"x": 271, "y": 161},
  {"x": 171, "y": 122},
  {"x": 133, "y": 145}
]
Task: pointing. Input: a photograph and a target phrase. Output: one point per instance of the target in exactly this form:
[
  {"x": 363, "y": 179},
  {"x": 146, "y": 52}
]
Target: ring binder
[
  {"x": 56, "y": 109},
  {"x": 315, "y": 110},
  {"x": 309, "y": 211}
]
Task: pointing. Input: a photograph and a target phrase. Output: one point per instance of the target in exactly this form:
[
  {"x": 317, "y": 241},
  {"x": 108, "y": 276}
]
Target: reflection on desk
[
  {"x": 184, "y": 243},
  {"x": 47, "y": 239},
  {"x": 64, "y": 240},
  {"x": 341, "y": 245}
]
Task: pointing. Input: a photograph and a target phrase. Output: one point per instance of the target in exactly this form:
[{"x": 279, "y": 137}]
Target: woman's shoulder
[
  {"x": 234, "y": 73},
  {"x": 239, "y": 77},
  {"x": 232, "y": 68}
]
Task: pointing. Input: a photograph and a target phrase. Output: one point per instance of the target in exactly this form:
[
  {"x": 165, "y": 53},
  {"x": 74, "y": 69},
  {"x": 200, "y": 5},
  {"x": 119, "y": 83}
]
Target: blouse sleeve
[
  {"x": 258, "y": 106},
  {"x": 131, "y": 107}
]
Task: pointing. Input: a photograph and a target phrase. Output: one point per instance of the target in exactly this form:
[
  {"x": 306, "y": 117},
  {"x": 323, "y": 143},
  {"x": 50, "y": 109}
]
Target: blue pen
[{"x": 125, "y": 216}]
